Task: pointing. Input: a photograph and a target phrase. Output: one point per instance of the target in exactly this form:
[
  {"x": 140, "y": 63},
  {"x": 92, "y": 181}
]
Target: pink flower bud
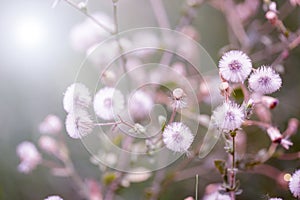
[
  {"x": 272, "y": 17},
  {"x": 48, "y": 144},
  {"x": 29, "y": 157},
  {"x": 51, "y": 125},
  {"x": 269, "y": 102}
]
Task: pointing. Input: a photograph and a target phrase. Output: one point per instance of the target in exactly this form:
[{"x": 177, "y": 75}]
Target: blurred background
[{"x": 37, "y": 64}]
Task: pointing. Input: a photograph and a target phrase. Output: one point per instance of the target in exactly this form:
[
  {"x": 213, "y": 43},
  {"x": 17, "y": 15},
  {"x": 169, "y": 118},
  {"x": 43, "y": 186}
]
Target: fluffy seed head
[
  {"x": 228, "y": 117},
  {"x": 178, "y": 137},
  {"x": 79, "y": 124},
  {"x": 77, "y": 96},
  {"x": 264, "y": 80},
  {"x": 294, "y": 184},
  {"x": 108, "y": 102},
  {"x": 235, "y": 66}
]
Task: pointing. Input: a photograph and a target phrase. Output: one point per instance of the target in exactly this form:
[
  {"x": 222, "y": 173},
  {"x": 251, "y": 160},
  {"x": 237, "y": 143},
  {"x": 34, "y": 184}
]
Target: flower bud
[
  {"x": 48, "y": 144},
  {"x": 269, "y": 102},
  {"x": 51, "y": 125},
  {"x": 272, "y": 17}
]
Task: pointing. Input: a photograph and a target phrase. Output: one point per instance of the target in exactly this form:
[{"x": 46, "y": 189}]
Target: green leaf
[{"x": 221, "y": 166}]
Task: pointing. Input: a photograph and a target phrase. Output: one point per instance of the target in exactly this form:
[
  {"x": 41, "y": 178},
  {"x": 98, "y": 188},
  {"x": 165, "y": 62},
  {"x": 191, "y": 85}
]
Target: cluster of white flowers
[
  {"x": 76, "y": 100},
  {"x": 29, "y": 156},
  {"x": 235, "y": 66}
]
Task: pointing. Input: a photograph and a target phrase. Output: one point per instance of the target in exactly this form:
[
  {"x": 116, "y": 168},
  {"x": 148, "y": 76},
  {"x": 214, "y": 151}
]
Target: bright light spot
[
  {"x": 29, "y": 32},
  {"x": 287, "y": 177}
]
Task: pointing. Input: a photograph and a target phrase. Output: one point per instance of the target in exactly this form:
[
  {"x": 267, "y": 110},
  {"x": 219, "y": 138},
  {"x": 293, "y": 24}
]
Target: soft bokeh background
[{"x": 34, "y": 75}]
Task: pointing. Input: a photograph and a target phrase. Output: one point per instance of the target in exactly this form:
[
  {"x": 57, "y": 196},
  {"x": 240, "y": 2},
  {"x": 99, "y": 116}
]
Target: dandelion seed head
[
  {"x": 77, "y": 96},
  {"x": 178, "y": 137},
  {"x": 79, "y": 124},
  {"x": 235, "y": 66},
  {"x": 228, "y": 117},
  {"x": 265, "y": 80}
]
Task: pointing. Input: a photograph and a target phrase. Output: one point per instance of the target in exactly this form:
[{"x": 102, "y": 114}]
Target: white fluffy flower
[
  {"x": 29, "y": 157},
  {"x": 108, "y": 102},
  {"x": 140, "y": 105},
  {"x": 294, "y": 184},
  {"x": 54, "y": 197},
  {"x": 178, "y": 137},
  {"x": 265, "y": 80},
  {"x": 79, "y": 124},
  {"x": 228, "y": 117},
  {"x": 235, "y": 66},
  {"x": 77, "y": 96},
  {"x": 275, "y": 198}
]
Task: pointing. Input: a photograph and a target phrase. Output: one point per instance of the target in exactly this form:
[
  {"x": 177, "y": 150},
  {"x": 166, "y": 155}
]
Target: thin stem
[
  {"x": 104, "y": 27},
  {"x": 116, "y": 33},
  {"x": 232, "y": 181},
  {"x": 256, "y": 123},
  {"x": 108, "y": 123},
  {"x": 172, "y": 115},
  {"x": 196, "y": 185}
]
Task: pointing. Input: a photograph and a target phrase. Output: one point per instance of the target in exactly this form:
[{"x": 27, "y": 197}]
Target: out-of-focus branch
[
  {"x": 160, "y": 13},
  {"x": 104, "y": 27}
]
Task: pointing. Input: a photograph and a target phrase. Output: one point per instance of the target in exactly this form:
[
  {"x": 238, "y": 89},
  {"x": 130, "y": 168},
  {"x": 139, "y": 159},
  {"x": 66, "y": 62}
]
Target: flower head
[
  {"x": 177, "y": 137},
  {"x": 294, "y": 184},
  {"x": 77, "y": 96},
  {"x": 79, "y": 124},
  {"x": 235, "y": 66},
  {"x": 108, "y": 102},
  {"x": 54, "y": 197},
  {"x": 140, "y": 105},
  {"x": 29, "y": 157},
  {"x": 228, "y": 117},
  {"x": 51, "y": 125},
  {"x": 275, "y": 198},
  {"x": 265, "y": 80}
]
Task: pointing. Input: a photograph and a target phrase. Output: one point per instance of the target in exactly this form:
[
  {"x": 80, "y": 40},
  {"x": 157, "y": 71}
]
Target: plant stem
[
  {"x": 232, "y": 179},
  {"x": 104, "y": 27}
]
